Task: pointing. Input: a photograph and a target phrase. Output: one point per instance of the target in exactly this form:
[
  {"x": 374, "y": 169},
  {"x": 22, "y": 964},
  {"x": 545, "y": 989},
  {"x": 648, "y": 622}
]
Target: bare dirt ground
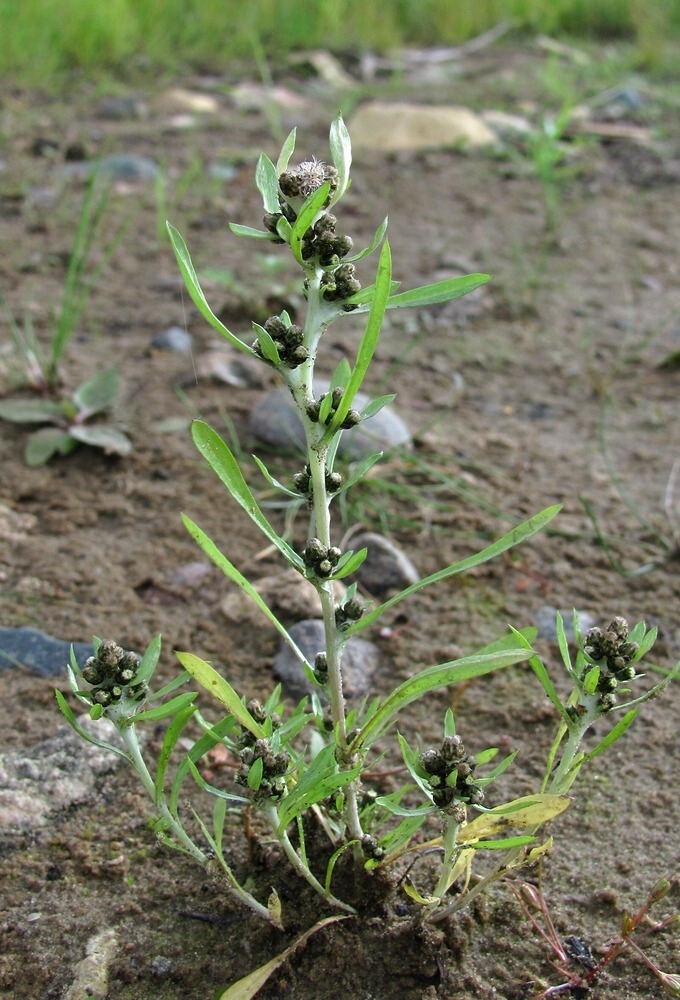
[{"x": 509, "y": 395}]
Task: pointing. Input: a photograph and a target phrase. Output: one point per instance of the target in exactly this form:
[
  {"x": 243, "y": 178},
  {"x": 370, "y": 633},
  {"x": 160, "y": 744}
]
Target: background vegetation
[{"x": 41, "y": 38}]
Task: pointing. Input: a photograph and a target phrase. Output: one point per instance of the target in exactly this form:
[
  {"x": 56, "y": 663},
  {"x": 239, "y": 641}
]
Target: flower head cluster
[
  {"x": 300, "y": 182},
  {"x": 112, "y": 672},
  {"x": 322, "y": 241},
  {"x": 612, "y": 652},
  {"x": 288, "y": 342},
  {"x": 274, "y": 766},
  {"x": 449, "y": 772}
]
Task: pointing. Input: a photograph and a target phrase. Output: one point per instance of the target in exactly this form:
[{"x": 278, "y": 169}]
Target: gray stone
[
  {"x": 119, "y": 167},
  {"x": 385, "y": 567},
  {"x": 360, "y": 661},
  {"x": 27, "y": 647},
  {"x": 174, "y": 339},
  {"x": 275, "y": 422},
  {"x": 545, "y": 622},
  {"x": 53, "y": 775},
  {"x": 123, "y": 108}
]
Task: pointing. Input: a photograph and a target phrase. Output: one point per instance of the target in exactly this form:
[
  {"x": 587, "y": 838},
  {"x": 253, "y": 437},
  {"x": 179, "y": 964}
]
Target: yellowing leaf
[
  {"x": 247, "y": 987},
  {"x": 411, "y": 891},
  {"x": 537, "y": 810}
]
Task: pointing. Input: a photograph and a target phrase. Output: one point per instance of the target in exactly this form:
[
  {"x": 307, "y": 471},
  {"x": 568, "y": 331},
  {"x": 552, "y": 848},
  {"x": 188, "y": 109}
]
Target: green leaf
[
  {"x": 255, "y": 774},
  {"x": 376, "y": 405},
  {"x": 149, "y": 661},
  {"x": 216, "y": 452},
  {"x": 267, "y": 346},
  {"x": 246, "y": 586},
  {"x": 267, "y": 181},
  {"x": 97, "y": 393},
  {"x": 375, "y": 242},
  {"x": 109, "y": 439},
  {"x": 317, "y": 782},
  {"x": 306, "y": 216},
  {"x": 287, "y": 151},
  {"x": 434, "y": 677},
  {"x": 31, "y": 411},
  {"x": 208, "y": 677},
  {"x": 341, "y": 155},
  {"x": 427, "y": 295},
  {"x": 172, "y": 734},
  {"x": 359, "y": 472},
  {"x": 349, "y": 563},
  {"x": 254, "y": 234},
  {"x": 73, "y": 722},
  {"x": 45, "y": 443},
  {"x": 369, "y": 339},
  {"x": 275, "y": 482},
  {"x": 196, "y": 292},
  {"x": 502, "y": 845},
  {"x": 200, "y": 747},
  {"x": 440, "y": 291},
  {"x": 612, "y": 736},
  {"x": 518, "y": 534},
  {"x": 172, "y": 707}
]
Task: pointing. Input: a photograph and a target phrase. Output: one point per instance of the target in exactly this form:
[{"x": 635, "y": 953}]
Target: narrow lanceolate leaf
[
  {"x": 375, "y": 242},
  {"x": 438, "y": 676},
  {"x": 172, "y": 734},
  {"x": 287, "y": 151},
  {"x": 212, "y": 681},
  {"x": 192, "y": 283},
  {"x": 172, "y": 707},
  {"x": 276, "y": 483},
  {"x": 73, "y": 722},
  {"x": 349, "y": 563},
  {"x": 341, "y": 155},
  {"x": 241, "y": 581},
  {"x": 528, "y": 811},
  {"x": 440, "y": 291},
  {"x": 270, "y": 351},
  {"x": 518, "y": 534},
  {"x": 317, "y": 782},
  {"x": 216, "y": 452},
  {"x": 370, "y": 338},
  {"x": 254, "y": 234},
  {"x": 249, "y": 986},
  {"x": 306, "y": 217},
  {"x": 267, "y": 181},
  {"x": 612, "y": 736}
]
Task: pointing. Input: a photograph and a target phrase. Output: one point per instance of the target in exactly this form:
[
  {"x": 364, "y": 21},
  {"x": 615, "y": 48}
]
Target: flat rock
[
  {"x": 287, "y": 594},
  {"x": 385, "y": 567},
  {"x": 53, "y": 775},
  {"x": 360, "y": 661},
  {"x": 384, "y": 126},
  {"x": 41, "y": 653},
  {"x": 275, "y": 422}
]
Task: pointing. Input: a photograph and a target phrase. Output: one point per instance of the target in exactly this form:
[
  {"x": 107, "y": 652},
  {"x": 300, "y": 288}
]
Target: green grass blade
[
  {"x": 518, "y": 534},
  {"x": 193, "y": 285},
  {"x": 208, "y": 677},
  {"x": 438, "y": 676},
  {"x": 218, "y": 455}
]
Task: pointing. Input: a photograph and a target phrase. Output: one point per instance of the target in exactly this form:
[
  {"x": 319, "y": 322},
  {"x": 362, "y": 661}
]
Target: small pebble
[
  {"x": 360, "y": 661},
  {"x": 119, "y": 167},
  {"x": 174, "y": 339}
]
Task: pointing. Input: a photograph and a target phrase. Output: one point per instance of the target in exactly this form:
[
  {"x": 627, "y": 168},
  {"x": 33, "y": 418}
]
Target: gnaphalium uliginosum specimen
[{"x": 306, "y": 765}]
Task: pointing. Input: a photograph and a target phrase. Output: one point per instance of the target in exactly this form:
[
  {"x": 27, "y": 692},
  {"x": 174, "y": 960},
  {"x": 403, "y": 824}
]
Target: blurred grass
[{"x": 45, "y": 38}]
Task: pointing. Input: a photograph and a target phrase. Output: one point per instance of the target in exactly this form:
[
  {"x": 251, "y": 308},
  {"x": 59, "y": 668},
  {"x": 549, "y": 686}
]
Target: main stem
[{"x": 301, "y": 384}]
